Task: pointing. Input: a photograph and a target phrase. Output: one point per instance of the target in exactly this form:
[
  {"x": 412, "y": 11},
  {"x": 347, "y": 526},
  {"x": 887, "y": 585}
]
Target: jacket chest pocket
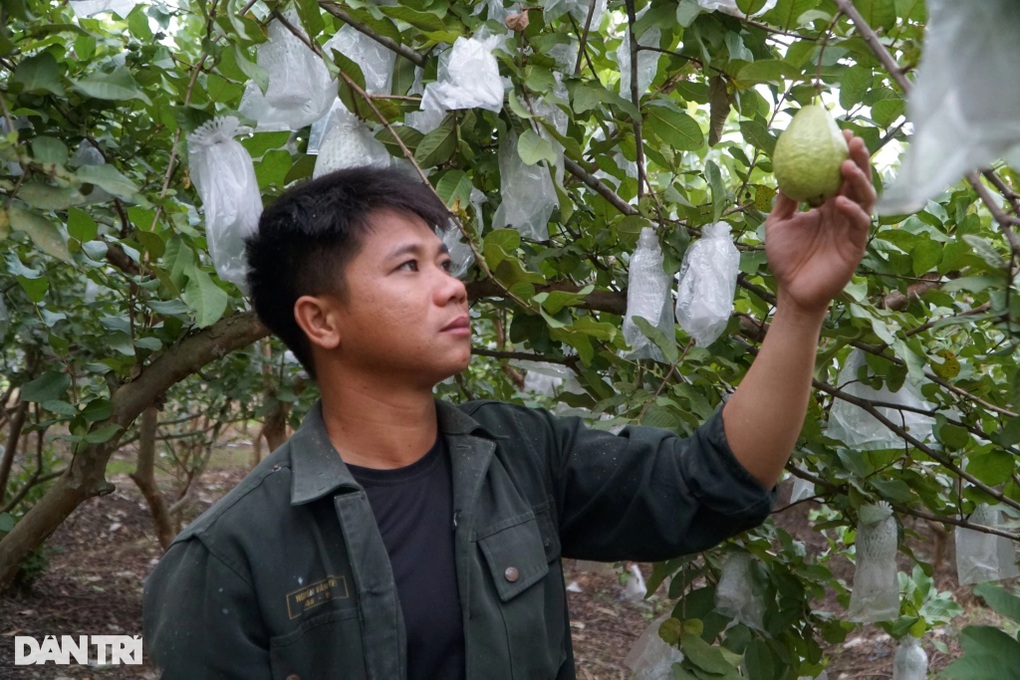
[
  {"x": 522, "y": 558},
  {"x": 326, "y": 646}
]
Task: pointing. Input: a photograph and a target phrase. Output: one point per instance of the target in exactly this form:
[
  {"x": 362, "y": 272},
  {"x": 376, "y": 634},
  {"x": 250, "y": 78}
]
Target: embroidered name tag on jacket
[{"x": 314, "y": 594}]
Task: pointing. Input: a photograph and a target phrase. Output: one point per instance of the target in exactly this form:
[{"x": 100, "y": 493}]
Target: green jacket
[{"x": 287, "y": 578}]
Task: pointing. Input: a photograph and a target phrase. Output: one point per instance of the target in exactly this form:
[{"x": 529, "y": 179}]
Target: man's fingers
[
  {"x": 857, "y": 184},
  {"x": 784, "y": 207}
]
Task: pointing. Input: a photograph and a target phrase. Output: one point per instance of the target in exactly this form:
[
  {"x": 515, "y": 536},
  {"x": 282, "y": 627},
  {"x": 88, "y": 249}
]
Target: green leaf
[
  {"x": 877, "y": 13},
  {"x": 426, "y": 21},
  {"x": 674, "y": 127},
  {"x": 102, "y": 434},
  {"x": 760, "y": 662},
  {"x": 455, "y": 189},
  {"x": 109, "y": 178},
  {"x": 46, "y": 235},
  {"x": 856, "y": 81},
  {"x": 786, "y": 12},
  {"x": 718, "y": 187},
  {"x": 756, "y": 134},
  {"x": 46, "y": 197},
  {"x": 208, "y": 300},
  {"x": 707, "y": 658},
  {"x": 988, "y": 653},
  {"x": 40, "y": 73},
  {"x": 532, "y": 148},
  {"x": 765, "y": 71},
  {"x": 273, "y": 168},
  {"x": 258, "y": 144},
  {"x": 6, "y": 522},
  {"x": 117, "y": 85},
  {"x": 437, "y": 146},
  {"x": 49, "y": 150},
  {"x": 885, "y": 112},
  {"x": 1002, "y": 602},
  {"x": 993, "y": 467},
  {"x": 47, "y": 387},
  {"x": 81, "y": 226},
  {"x": 925, "y": 256}
]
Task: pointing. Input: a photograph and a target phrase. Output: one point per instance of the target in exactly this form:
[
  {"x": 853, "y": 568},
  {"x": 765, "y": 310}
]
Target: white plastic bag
[
  {"x": 911, "y": 661},
  {"x": 708, "y": 279},
  {"x": 648, "y": 60},
  {"x": 348, "y": 143},
  {"x": 470, "y": 79},
  {"x": 224, "y": 175},
  {"x": 527, "y": 192},
  {"x": 964, "y": 101},
  {"x": 578, "y": 9},
  {"x": 859, "y": 429},
  {"x": 300, "y": 90},
  {"x": 651, "y": 658},
  {"x": 737, "y": 596},
  {"x": 461, "y": 255},
  {"x": 431, "y": 112},
  {"x": 730, "y": 7},
  {"x": 981, "y": 556},
  {"x": 647, "y": 296},
  {"x": 376, "y": 60},
  {"x": 802, "y": 490},
  {"x": 876, "y": 593},
  {"x": 84, "y": 9}
]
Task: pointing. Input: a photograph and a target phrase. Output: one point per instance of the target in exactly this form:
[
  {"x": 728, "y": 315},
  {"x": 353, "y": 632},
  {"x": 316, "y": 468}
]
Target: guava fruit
[{"x": 808, "y": 156}]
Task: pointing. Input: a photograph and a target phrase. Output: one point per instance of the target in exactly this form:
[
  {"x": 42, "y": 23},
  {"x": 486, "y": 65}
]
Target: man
[{"x": 397, "y": 536}]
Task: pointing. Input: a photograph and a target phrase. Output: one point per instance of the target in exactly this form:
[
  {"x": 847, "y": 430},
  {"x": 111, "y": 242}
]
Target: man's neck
[{"x": 381, "y": 429}]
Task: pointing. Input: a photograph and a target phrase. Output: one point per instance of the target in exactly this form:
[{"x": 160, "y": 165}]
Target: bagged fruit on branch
[
  {"x": 963, "y": 105},
  {"x": 876, "y": 592},
  {"x": 648, "y": 60},
  {"x": 469, "y": 78},
  {"x": 737, "y": 595},
  {"x": 527, "y": 192},
  {"x": 708, "y": 279},
  {"x": 348, "y": 143},
  {"x": 651, "y": 657},
  {"x": 224, "y": 175},
  {"x": 857, "y": 428},
  {"x": 911, "y": 661},
  {"x": 83, "y": 9},
  {"x": 647, "y": 297},
  {"x": 300, "y": 90},
  {"x": 981, "y": 556},
  {"x": 461, "y": 255},
  {"x": 375, "y": 60}
]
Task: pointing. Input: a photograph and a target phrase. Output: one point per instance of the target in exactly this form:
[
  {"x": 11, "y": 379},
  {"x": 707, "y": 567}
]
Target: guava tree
[{"x": 610, "y": 117}]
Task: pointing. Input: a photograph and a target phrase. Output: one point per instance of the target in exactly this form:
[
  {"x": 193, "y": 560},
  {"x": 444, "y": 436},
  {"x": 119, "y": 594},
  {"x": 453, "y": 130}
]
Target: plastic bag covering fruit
[
  {"x": 651, "y": 658},
  {"x": 432, "y": 113},
  {"x": 802, "y": 490},
  {"x": 808, "y": 156},
  {"x": 857, "y": 428},
  {"x": 736, "y": 596},
  {"x": 648, "y": 60},
  {"x": 730, "y": 7},
  {"x": 461, "y": 255},
  {"x": 348, "y": 143},
  {"x": 376, "y": 60},
  {"x": 647, "y": 297},
  {"x": 708, "y": 278},
  {"x": 470, "y": 78},
  {"x": 911, "y": 661},
  {"x": 578, "y": 9},
  {"x": 300, "y": 90},
  {"x": 527, "y": 191},
  {"x": 89, "y": 8},
  {"x": 876, "y": 595},
  {"x": 964, "y": 102},
  {"x": 225, "y": 178},
  {"x": 982, "y": 556}
]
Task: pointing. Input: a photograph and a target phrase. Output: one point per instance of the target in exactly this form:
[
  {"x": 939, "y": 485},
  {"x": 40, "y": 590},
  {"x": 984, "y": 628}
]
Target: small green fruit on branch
[{"x": 808, "y": 156}]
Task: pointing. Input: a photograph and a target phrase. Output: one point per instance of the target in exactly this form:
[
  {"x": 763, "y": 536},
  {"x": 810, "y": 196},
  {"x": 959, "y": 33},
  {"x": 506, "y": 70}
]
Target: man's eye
[
  {"x": 447, "y": 265},
  {"x": 410, "y": 265}
]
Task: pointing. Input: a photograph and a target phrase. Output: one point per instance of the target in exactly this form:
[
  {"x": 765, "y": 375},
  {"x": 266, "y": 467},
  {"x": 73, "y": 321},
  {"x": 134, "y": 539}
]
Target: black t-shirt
[{"x": 413, "y": 507}]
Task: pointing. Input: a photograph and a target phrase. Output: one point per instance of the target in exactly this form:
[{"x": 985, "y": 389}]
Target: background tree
[{"x": 661, "y": 114}]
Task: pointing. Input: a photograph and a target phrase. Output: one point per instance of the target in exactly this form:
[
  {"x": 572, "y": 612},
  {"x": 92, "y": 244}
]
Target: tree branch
[
  {"x": 363, "y": 28},
  {"x": 575, "y": 169}
]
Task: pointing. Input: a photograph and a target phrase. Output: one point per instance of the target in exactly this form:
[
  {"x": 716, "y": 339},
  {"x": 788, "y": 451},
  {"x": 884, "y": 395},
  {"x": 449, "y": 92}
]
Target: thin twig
[
  {"x": 635, "y": 97},
  {"x": 363, "y": 28},
  {"x": 582, "y": 50},
  {"x": 575, "y": 169}
]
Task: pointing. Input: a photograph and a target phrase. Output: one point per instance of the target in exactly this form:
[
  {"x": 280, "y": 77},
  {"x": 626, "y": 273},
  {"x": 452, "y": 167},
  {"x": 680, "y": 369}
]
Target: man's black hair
[{"x": 307, "y": 237}]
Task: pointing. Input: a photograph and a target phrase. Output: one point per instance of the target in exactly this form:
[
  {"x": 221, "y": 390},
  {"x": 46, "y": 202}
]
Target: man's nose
[{"x": 450, "y": 289}]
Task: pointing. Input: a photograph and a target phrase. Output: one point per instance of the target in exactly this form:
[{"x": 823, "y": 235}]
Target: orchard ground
[{"x": 98, "y": 558}]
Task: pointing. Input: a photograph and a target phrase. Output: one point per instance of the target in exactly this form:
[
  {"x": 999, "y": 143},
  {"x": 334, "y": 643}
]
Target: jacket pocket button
[{"x": 512, "y": 574}]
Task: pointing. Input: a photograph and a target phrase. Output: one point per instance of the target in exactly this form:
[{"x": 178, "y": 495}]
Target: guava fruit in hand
[{"x": 808, "y": 156}]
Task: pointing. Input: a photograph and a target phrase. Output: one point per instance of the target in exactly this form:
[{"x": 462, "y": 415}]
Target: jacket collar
[{"x": 318, "y": 470}]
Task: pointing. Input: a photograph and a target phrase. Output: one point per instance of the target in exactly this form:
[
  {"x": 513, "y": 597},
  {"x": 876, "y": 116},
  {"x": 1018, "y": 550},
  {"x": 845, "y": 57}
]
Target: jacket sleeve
[
  {"x": 201, "y": 619},
  {"x": 644, "y": 494}
]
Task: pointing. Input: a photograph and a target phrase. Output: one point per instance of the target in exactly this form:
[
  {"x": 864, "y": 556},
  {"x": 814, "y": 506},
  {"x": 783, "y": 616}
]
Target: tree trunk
[
  {"x": 145, "y": 477},
  {"x": 86, "y": 475},
  {"x": 17, "y": 423}
]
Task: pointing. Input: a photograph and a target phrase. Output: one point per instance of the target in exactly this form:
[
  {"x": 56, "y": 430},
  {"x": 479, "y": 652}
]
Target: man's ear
[{"x": 318, "y": 318}]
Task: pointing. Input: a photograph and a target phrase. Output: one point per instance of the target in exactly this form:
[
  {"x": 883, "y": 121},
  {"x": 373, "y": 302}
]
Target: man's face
[{"x": 404, "y": 315}]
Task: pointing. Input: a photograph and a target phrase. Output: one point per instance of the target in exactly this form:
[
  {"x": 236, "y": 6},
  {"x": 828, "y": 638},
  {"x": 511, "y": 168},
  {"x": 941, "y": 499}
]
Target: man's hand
[{"x": 813, "y": 254}]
